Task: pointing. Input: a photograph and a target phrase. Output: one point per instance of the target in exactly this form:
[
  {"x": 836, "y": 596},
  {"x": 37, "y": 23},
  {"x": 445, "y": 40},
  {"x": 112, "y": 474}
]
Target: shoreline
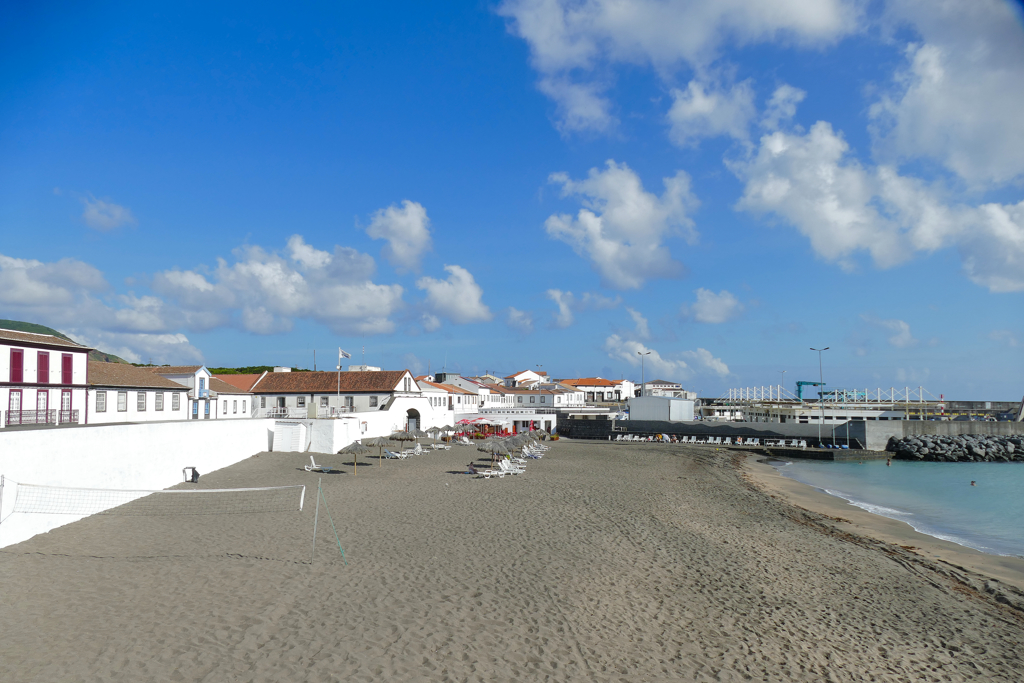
[{"x": 854, "y": 520}]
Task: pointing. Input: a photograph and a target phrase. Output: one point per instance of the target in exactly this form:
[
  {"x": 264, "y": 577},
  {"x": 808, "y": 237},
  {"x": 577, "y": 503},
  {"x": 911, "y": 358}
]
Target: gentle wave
[{"x": 932, "y": 510}]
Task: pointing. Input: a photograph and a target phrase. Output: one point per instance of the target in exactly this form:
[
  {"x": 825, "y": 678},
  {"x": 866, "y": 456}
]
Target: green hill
[{"x": 43, "y": 329}]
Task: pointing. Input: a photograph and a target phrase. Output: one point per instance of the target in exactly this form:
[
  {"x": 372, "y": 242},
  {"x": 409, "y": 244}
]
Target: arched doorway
[{"x": 412, "y": 419}]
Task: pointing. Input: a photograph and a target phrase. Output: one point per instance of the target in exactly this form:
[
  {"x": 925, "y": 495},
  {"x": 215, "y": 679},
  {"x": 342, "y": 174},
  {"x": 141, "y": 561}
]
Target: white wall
[{"x": 136, "y": 456}]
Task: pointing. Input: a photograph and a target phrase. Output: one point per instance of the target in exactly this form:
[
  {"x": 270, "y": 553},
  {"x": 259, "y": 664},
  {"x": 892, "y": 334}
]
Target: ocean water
[{"x": 936, "y": 498}]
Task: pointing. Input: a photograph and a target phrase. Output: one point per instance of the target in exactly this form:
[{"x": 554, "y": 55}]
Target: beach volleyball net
[{"x": 62, "y": 500}]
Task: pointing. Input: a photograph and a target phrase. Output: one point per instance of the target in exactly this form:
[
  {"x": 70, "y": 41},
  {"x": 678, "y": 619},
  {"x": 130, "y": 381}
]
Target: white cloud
[
  {"x": 431, "y": 323},
  {"x": 105, "y": 215},
  {"x": 575, "y": 43},
  {"x": 901, "y": 337},
  {"x": 843, "y": 207},
  {"x": 268, "y": 291},
  {"x": 564, "y": 301},
  {"x": 1004, "y": 336},
  {"x": 703, "y": 359},
  {"x": 782, "y": 106},
  {"x": 714, "y": 308},
  {"x": 707, "y": 111},
  {"x": 568, "y": 304},
  {"x": 73, "y": 297},
  {"x": 622, "y": 227},
  {"x": 459, "y": 298},
  {"x": 643, "y": 330},
  {"x": 521, "y": 321},
  {"x": 142, "y": 348},
  {"x": 958, "y": 100},
  {"x": 407, "y": 230},
  {"x": 629, "y": 350},
  {"x": 31, "y": 283}
]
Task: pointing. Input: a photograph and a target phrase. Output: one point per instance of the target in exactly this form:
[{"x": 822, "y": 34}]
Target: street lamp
[
  {"x": 643, "y": 383},
  {"x": 821, "y": 392}
]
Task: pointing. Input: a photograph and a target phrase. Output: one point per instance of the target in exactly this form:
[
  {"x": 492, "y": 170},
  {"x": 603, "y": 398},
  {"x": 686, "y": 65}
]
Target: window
[
  {"x": 43, "y": 368},
  {"x": 65, "y": 400},
  {"x": 243, "y": 406},
  {"x": 323, "y": 401},
  {"x": 300, "y": 401},
  {"x": 202, "y": 384},
  {"x": 234, "y": 407},
  {"x": 17, "y": 365},
  {"x": 142, "y": 402},
  {"x": 225, "y": 406},
  {"x": 407, "y": 383},
  {"x": 533, "y": 399},
  {"x": 373, "y": 401},
  {"x": 65, "y": 368},
  {"x": 14, "y": 401},
  {"x": 348, "y": 401},
  {"x": 543, "y": 399},
  {"x": 122, "y": 401},
  {"x": 175, "y": 401},
  {"x": 158, "y": 402},
  {"x": 519, "y": 399},
  {"x": 263, "y": 401}
]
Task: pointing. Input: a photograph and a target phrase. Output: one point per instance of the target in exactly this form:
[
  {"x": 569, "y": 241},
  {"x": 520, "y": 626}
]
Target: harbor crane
[{"x": 800, "y": 388}]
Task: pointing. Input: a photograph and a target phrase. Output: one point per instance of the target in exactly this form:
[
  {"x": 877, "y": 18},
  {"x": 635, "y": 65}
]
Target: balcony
[
  {"x": 31, "y": 417},
  {"x": 275, "y": 412},
  {"x": 65, "y": 417}
]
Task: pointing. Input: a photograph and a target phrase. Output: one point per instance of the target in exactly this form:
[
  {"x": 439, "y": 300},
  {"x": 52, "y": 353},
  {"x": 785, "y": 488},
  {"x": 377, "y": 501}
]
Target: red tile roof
[
  {"x": 588, "y": 382},
  {"x": 221, "y": 387},
  {"x": 124, "y": 375},
  {"x": 41, "y": 339},
  {"x": 175, "y": 369},
  {"x": 327, "y": 382},
  {"x": 243, "y": 382}
]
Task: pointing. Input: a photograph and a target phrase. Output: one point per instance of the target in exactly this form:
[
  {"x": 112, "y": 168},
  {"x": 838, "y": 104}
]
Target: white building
[
  {"x": 526, "y": 378},
  {"x": 230, "y": 402},
  {"x": 600, "y": 390},
  {"x": 119, "y": 392},
  {"x": 661, "y": 408},
  {"x": 334, "y": 394},
  {"x": 660, "y": 387},
  {"x": 201, "y": 405},
  {"x": 43, "y": 379}
]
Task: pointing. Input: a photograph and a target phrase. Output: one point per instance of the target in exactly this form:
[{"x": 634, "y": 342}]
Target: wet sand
[{"x": 604, "y": 562}]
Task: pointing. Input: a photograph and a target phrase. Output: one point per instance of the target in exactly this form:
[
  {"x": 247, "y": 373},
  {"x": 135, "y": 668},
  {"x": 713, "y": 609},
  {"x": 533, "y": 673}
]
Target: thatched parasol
[
  {"x": 493, "y": 446},
  {"x": 354, "y": 449},
  {"x": 380, "y": 442}
]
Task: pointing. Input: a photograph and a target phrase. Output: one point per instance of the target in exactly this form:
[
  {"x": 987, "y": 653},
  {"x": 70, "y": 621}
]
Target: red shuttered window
[
  {"x": 43, "y": 368},
  {"x": 65, "y": 368},
  {"x": 17, "y": 365}
]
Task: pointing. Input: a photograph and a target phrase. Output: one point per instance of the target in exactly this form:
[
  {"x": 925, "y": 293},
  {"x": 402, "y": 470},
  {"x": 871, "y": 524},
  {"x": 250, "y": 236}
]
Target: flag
[{"x": 343, "y": 354}]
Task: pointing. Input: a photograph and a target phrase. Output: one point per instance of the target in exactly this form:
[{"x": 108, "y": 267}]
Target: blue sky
[{"x": 500, "y": 185}]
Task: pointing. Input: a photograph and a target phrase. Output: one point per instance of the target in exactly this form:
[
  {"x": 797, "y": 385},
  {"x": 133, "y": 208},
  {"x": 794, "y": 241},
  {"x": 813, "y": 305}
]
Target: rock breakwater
[{"x": 959, "y": 448}]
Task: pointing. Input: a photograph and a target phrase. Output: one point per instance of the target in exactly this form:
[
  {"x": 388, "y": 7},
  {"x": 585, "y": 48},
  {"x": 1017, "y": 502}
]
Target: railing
[
  {"x": 334, "y": 411},
  {"x": 67, "y": 417},
  {"x": 281, "y": 412},
  {"x": 31, "y": 417}
]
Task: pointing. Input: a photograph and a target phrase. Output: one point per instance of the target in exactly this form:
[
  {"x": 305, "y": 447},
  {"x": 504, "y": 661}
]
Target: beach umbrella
[
  {"x": 380, "y": 442},
  {"x": 419, "y": 434},
  {"x": 434, "y": 431},
  {"x": 354, "y": 448},
  {"x": 494, "y": 447}
]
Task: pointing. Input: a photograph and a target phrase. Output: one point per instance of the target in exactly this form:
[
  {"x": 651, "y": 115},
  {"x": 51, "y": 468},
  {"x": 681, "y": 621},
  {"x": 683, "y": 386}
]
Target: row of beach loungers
[
  {"x": 516, "y": 464},
  {"x": 717, "y": 440}
]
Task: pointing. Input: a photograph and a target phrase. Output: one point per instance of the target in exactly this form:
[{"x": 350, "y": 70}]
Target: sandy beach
[{"x": 603, "y": 562}]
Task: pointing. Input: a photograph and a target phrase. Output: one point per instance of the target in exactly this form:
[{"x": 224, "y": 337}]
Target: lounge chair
[
  {"x": 509, "y": 468},
  {"x": 493, "y": 473},
  {"x": 316, "y": 468},
  {"x": 391, "y": 454}
]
